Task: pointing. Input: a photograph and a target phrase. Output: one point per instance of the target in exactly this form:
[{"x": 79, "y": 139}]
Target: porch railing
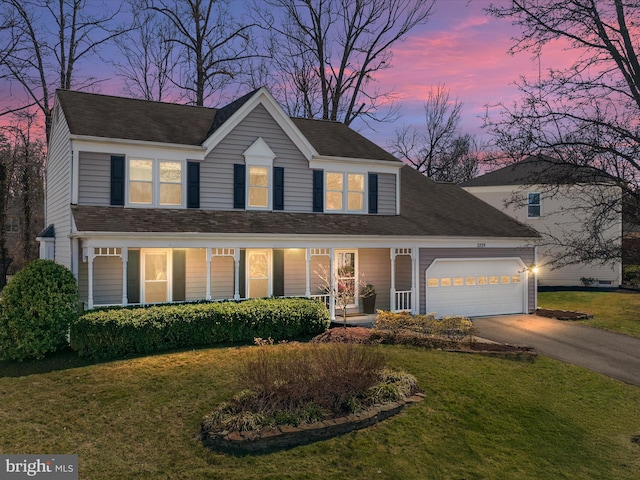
[
  {"x": 326, "y": 298},
  {"x": 403, "y": 300}
]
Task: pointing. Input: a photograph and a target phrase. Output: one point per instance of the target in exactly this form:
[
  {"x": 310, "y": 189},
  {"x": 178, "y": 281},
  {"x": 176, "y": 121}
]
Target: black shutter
[
  {"x": 117, "y": 180},
  {"x": 133, "y": 276},
  {"x": 179, "y": 275},
  {"x": 373, "y": 193},
  {"x": 278, "y": 188},
  {"x": 278, "y": 273},
  {"x": 318, "y": 190},
  {"x": 238, "y": 185},
  {"x": 193, "y": 185},
  {"x": 243, "y": 277}
]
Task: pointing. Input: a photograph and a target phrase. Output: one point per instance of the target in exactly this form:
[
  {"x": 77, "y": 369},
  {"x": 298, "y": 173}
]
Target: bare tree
[
  {"x": 44, "y": 43},
  {"x": 210, "y": 46},
  {"x": 584, "y": 115},
  {"x": 332, "y": 50},
  {"x": 147, "y": 63},
  {"x": 438, "y": 150}
]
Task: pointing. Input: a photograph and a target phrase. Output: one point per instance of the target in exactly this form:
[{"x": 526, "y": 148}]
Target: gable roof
[
  {"x": 427, "y": 209},
  {"x": 105, "y": 116},
  {"x": 540, "y": 170}
]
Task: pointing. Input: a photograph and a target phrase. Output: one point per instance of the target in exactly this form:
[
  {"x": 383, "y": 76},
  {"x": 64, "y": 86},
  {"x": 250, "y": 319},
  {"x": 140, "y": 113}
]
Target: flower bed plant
[
  {"x": 298, "y": 385},
  {"x": 454, "y": 328}
]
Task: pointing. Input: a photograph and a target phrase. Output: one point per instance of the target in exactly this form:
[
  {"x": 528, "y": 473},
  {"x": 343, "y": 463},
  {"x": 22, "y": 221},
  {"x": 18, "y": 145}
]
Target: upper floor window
[
  {"x": 155, "y": 182},
  {"x": 344, "y": 192},
  {"x": 258, "y": 183},
  {"x": 533, "y": 205}
]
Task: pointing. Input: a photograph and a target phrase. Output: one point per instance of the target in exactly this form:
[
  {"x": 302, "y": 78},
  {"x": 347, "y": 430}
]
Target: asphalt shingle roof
[
  {"x": 428, "y": 209},
  {"x": 539, "y": 170}
]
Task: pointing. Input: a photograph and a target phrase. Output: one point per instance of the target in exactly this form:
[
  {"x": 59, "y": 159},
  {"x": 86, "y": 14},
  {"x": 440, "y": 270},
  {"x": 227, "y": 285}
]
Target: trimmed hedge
[{"x": 118, "y": 333}]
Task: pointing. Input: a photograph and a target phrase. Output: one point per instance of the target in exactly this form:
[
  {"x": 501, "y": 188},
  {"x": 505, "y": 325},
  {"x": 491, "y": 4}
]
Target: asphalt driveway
[{"x": 612, "y": 354}]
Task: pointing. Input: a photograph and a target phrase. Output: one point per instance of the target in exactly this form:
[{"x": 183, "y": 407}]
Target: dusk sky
[
  {"x": 460, "y": 47},
  {"x": 466, "y": 50}
]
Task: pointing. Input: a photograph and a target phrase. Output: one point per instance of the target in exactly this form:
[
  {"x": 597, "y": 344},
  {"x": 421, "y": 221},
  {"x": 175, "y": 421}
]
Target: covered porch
[{"x": 142, "y": 275}]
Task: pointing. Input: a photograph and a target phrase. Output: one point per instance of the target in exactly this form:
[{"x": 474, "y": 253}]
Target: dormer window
[
  {"x": 258, "y": 183},
  {"x": 259, "y": 179}
]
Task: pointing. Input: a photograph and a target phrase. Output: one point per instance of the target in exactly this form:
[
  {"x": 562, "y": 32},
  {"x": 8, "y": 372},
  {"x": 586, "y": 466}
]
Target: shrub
[
  {"x": 631, "y": 275},
  {"x": 116, "y": 333},
  {"x": 38, "y": 306},
  {"x": 304, "y": 384},
  {"x": 453, "y": 328}
]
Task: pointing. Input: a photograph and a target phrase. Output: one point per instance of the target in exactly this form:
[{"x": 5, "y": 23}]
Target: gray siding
[
  {"x": 428, "y": 255},
  {"x": 107, "y": 281},
  {"x": 222, "y": 278},
  {"x": 386, "y": 194},
  {"x": 216, "y": 173},
  {"x": 94, "y": 179},
  {"x": 295, "y": 272},
  {"x": 196, "y": 274},
  {"x": 58, "y": 190},
  {"x": 375, "y": 268}
]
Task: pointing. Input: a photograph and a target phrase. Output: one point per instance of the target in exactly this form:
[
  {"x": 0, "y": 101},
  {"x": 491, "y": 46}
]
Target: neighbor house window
[
  {"x": 533, "y": 206},
  {"x": 12, "y": 225},
  {"x": 344, "y": 192},
  {"x": 155, "y": 182},
  {"x": 258, "y": 187}
]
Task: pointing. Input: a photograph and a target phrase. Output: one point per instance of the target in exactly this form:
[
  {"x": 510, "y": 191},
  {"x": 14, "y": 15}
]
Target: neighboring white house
[
  {"x": 151, "y": 202},
  {"x": 551, "y": 196}
]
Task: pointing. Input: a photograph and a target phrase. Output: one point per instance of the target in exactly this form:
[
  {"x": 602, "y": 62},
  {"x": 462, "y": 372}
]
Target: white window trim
[
  {"x": 143, "y": 256},
  {"x": 155, "y": 182},
  {"x": 259, "y": 155},
  {"x": 345, "y": 192},
  {"x": 539, "y": 204}
]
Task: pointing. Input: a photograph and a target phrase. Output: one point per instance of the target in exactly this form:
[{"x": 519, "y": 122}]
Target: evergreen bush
[
  {"x": 37, "y": 308},
  {"x": 116, "y": 333}
]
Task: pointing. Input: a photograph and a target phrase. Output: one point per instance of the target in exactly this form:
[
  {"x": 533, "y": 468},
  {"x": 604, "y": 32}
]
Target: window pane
[
  {"x": 155, "y": 267},
  {"x": 258, "y": 197},
  {"x": 258, "y": 177},
  {"x": 534, "y": 198},
  {"x": 140, "y": 192},
  {"x": 171, "y": 172},
  {"x": 155, "y": 292},
  {"x": 356, "y": 182},
  {"x": 356, "y": 201},
  {"x": 141, "y": 170},
  {"x": 170, "y": 194},
  {"x": 334, "y": 201},
  {"x": 334, "y": 181},
  {"x": 534, "y": 211}
]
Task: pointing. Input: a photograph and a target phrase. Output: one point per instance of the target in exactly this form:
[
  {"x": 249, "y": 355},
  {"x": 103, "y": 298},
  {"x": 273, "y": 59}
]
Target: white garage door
[{"x": 474, "y": 287}]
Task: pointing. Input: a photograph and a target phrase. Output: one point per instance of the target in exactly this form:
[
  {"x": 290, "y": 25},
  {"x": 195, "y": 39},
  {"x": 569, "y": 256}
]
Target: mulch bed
[{"x": 563, "y": 314}]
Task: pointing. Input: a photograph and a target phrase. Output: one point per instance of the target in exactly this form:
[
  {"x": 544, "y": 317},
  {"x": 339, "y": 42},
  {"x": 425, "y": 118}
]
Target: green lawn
[
  {"x": 482, "y": 418},
  {"x": 618, "y": 311}
]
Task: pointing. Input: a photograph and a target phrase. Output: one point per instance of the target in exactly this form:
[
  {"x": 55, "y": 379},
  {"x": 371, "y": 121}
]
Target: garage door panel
[{"x": 473, "y": 287}]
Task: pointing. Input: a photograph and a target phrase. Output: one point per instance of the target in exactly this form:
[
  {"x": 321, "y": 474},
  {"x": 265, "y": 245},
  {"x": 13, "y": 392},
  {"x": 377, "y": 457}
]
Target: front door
[
  {"x": 258, "y": 273},
  {"x": 156, "y": 268},
  {"x": 347, "y": 277}
]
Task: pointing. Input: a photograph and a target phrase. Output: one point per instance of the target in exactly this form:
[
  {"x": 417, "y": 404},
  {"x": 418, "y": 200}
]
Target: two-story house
[
  {"x": 560, "y": 200},
  {"x": 152, "y": 202}
]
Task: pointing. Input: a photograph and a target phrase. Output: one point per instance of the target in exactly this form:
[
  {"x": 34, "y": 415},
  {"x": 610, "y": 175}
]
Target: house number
[{"x": 481, "y": 245}]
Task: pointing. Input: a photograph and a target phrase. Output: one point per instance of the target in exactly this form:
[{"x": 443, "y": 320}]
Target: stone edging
[{"x": 286, "y": 436}]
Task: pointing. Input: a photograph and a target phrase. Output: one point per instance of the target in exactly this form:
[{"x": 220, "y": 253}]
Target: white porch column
[
  {"x": 208, "y": 259},
  {"x": 307, "y": 289},
  {"x": 236, "y": 262},
  {"x": 415, "y": 280},
  {"x": 392, "y": 292},
  {"x": 332, "y": 286},
  {"x": 124, "y": 255},
  {"x": 90, "y": 278}
]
